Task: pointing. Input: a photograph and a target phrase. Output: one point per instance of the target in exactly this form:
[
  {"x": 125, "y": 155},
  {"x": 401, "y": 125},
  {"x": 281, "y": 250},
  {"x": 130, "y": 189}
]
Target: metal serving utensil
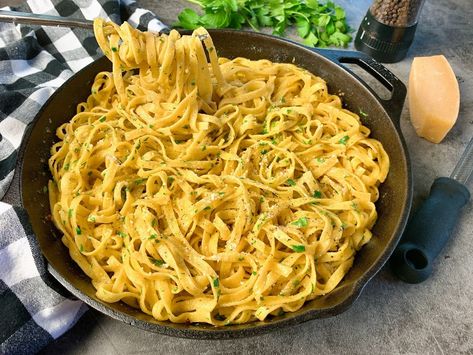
[
  {"x": 49, "y": 20},
  {"x": 44, "y": 20}
]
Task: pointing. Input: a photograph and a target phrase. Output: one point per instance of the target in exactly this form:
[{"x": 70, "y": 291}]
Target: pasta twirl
[{"x": 203, "y": 189}]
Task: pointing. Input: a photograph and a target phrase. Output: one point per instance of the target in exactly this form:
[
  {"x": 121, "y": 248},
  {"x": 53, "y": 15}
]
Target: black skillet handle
[{"x": 394, "y": 104}]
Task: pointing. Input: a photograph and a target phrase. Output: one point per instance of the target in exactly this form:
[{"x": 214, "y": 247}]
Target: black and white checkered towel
[{"x": 34, "y": 62}]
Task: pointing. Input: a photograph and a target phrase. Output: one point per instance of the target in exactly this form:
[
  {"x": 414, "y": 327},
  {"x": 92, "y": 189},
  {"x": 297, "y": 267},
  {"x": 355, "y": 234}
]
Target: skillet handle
[{"x": 394, "y": 104}]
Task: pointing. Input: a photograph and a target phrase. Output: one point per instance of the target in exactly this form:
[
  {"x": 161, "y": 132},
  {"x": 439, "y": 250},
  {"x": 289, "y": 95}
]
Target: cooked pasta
[{"x": 204, "y": 189}]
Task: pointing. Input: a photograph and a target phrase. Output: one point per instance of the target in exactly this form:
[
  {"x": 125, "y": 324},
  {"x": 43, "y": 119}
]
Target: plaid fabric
[{"x": 34, "y": 61}]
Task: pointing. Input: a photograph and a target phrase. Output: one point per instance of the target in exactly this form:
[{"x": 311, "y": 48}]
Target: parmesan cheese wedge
[{"x": 434, "y": 97}]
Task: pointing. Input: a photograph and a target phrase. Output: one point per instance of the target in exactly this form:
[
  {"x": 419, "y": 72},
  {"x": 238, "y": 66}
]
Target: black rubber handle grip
[
  {"x": 395, "y": 103},
  {"x": 428, "y": 230}
]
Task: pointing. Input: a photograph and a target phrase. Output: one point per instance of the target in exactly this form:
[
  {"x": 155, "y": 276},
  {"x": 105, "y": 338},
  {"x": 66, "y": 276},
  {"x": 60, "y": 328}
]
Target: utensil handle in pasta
[
  {"x": 395, "y": 103},
  {"x": 43, "y": 20},
  {"x": 429, "y": 230}
]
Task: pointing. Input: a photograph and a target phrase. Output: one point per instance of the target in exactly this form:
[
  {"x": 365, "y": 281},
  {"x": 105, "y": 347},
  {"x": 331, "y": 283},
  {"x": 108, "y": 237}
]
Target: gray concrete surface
[{"x": 390, "y": 316}]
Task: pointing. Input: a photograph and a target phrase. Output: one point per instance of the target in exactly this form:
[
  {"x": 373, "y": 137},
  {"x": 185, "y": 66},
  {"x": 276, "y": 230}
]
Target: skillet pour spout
[{"x": 382, "y": 119}]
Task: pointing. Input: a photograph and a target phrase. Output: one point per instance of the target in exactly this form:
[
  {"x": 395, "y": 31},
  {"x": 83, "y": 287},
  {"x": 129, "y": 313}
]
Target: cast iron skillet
[{"x": 383, "y": 120}]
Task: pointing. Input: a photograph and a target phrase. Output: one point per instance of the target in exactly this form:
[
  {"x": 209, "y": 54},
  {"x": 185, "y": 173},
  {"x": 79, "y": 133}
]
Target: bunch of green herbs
[{"x": 319, "y": 24}]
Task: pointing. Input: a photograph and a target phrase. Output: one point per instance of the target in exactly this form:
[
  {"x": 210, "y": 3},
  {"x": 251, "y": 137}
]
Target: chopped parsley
[
  {"x": 114, "y": 49},
  {"x": 153, "y": 236},
  {"x": 301, "y": 222},
  {"x": 121, "y": 234},
  {"x": 78, "y": 230},
  {"x": 157, "y": 262},
  {"x": 298, "y": 248},
  {"x": 203, "y": 148},
  {"x": 170, "y": 180},
  {"x": 66, "y": 166},
  {"x": 317, "y": 194},
  {"x": 253, "y": 273},
  {"x": 291, "y": 182},
  {"x": 91, "y": 218},
  {"x": 69, "y": 213},
  {"x": 102, "y": 119},
  {"x": 343, "y": 140},
  {"x": 264, "y": 151},
  {"x": 364, "y": 114},
  {"x": 139, "y": 181},
  {"x": 206, "y": 208},
  {"x": 216, "y": 282},
  {"x": 81, "y": 248}
]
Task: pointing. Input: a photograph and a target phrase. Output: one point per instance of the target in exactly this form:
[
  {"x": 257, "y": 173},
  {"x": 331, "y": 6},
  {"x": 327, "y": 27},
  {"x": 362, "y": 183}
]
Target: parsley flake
[
  {"x": 298, "y": 248},
  {"x": 343, "y": 140},
  {"x": 362, "y": 113},
  {"x": 139, "y": 181},
  {"x": 301, "y": 222},
  {"x": 157, "y": 262},
  {"x": 291, "y": 182}
]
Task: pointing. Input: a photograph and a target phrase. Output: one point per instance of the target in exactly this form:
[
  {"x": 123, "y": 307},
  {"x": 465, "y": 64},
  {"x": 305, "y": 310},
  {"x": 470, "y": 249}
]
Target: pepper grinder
[{"x": 388, "y": 29}]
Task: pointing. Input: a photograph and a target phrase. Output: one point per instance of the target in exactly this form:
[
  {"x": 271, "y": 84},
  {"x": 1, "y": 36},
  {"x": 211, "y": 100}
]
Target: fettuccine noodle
[{"x": 203, "y": 189}]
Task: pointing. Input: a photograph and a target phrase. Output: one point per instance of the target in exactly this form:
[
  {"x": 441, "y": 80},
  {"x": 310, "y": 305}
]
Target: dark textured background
[{"x": 390, "y": 316}]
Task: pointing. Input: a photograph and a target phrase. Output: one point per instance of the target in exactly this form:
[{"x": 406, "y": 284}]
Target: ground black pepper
[{"x": 398, "y": 13}]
